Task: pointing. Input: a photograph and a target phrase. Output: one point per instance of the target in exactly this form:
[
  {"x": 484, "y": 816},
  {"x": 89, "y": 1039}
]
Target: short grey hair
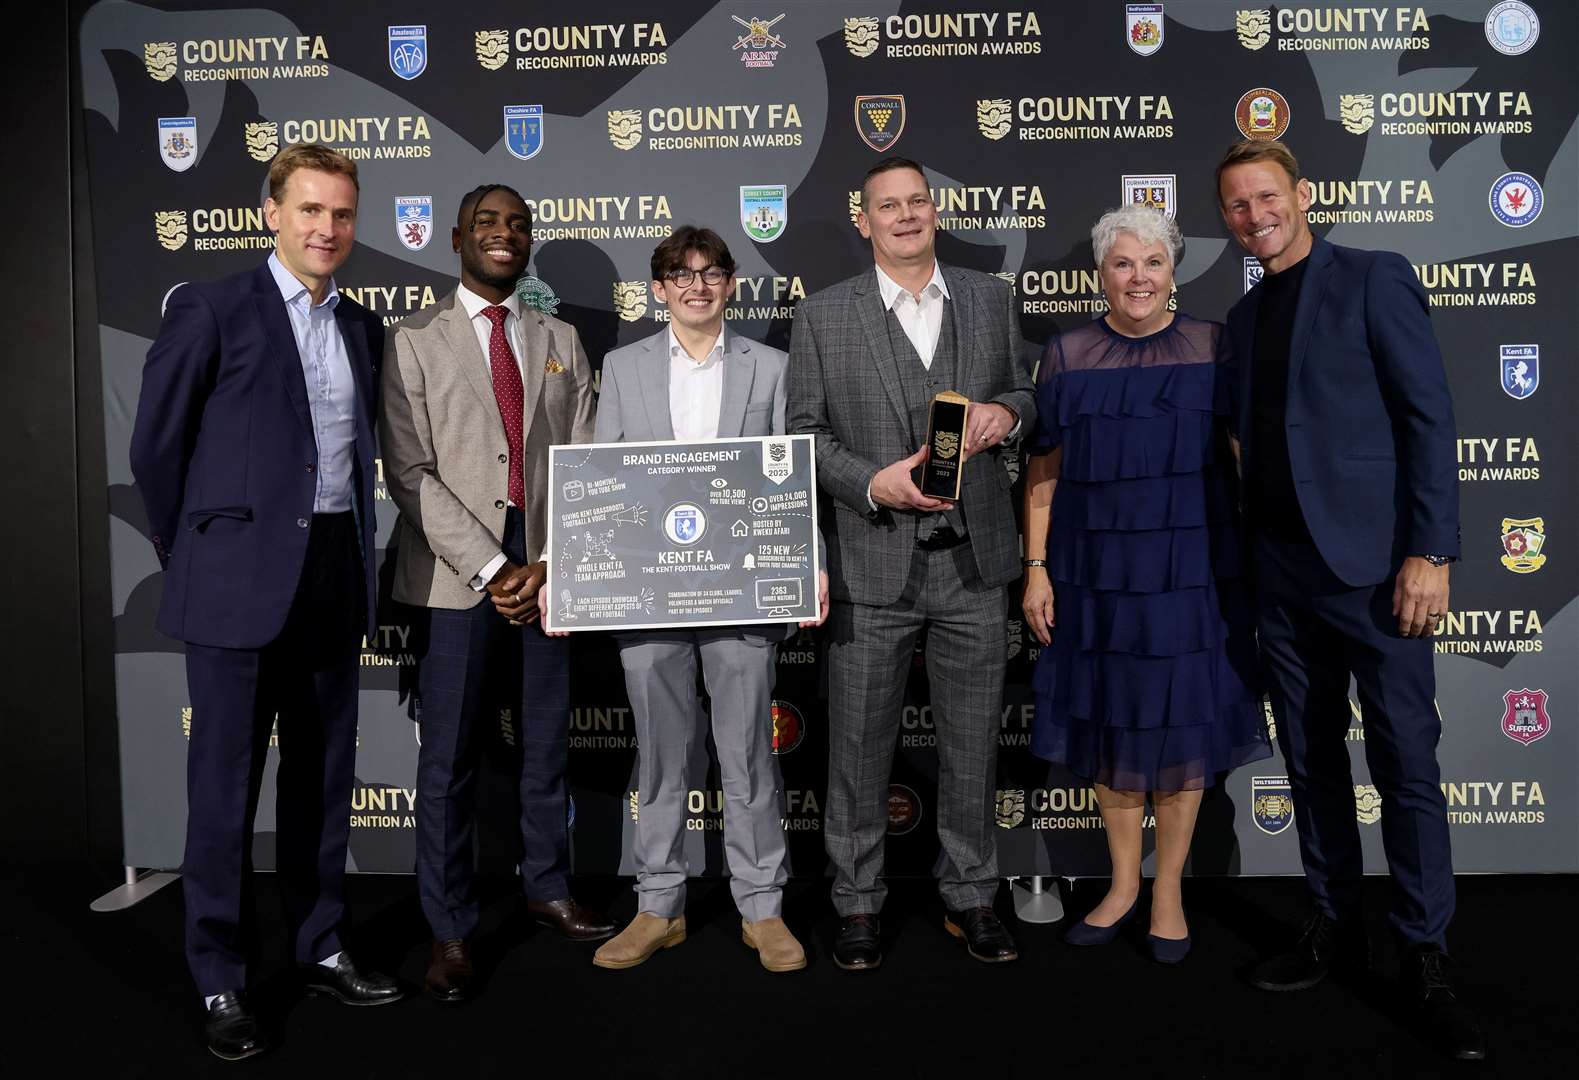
[{"x": 1148, "y": 225}]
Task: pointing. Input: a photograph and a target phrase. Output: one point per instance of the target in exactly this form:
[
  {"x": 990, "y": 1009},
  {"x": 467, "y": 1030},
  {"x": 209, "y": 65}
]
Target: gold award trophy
[{"x": 940, "y": 476}]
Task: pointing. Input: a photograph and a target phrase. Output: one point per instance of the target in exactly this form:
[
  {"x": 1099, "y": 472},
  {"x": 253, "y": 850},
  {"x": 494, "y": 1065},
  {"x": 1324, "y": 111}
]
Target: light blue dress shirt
[{"x": 331, "y": 390}]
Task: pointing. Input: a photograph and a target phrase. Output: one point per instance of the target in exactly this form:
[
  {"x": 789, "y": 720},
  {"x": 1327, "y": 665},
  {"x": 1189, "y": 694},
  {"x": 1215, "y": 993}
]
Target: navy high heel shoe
[
  {"x": 1168, "y": 950},
  {"x": 1083, "y": 933}
]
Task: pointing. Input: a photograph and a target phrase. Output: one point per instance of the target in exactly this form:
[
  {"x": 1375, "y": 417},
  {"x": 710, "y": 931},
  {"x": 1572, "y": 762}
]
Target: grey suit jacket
[
  {"x": 844, "y": 387},
  {"x": 445, "y": 456}
]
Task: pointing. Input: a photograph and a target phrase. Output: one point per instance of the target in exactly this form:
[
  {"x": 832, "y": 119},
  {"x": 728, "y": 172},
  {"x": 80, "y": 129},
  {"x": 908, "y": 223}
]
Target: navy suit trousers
[
  {"x": 1315, "y": 633},
  {"x": 452, "y": 678}
]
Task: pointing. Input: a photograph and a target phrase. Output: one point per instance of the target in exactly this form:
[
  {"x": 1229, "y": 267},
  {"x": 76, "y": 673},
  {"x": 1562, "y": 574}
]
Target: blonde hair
[{"x": 308, "y": 156}]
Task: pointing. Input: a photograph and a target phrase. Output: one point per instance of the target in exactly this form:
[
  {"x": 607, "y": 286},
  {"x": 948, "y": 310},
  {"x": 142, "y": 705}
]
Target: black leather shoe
[
  {"x": 349, "y": 986},
  {"x": 1324, "y": 944},
  {"x": 858, "y": 946},
  {"x": 1445, "y": 1021},
  {"x": 232, "y": 1029},
  {"x": 449, "y": 976},
  {"x": 571, "y": 919},
  {"x": 984, "y": 935}
]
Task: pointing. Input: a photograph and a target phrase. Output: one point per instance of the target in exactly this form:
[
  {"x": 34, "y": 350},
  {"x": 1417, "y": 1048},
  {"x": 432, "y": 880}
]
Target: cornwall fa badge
[
  {"x": 178, "y": 141},
  {"x": 1143, "y": 27},
  {"x": 880, "y": 119},
  {"x": 414, "y": 220},
  {"x": 408, "y": 50},
  {"x": 1522, "y": 540},
  {"x": 1156, "y": 192},
  {"x": 1521, "y": 370},
  {"x": 1271, "y": 803},
  {"x": 1524, "y": 717},
  {"x": 523, "y": 130},
  {"x": 1516, "y": 199},
  {"x": 764, "y": 211}
]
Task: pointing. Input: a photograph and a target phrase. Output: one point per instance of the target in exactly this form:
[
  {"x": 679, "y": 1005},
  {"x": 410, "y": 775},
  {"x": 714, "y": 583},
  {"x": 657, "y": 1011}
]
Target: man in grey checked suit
[
  {"x": 694, "y": 381},
  {"x": 866, "y": 359}
]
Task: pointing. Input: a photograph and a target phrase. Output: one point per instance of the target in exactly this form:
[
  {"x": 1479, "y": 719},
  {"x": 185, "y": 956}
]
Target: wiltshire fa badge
[
  {"x": 1524, "y": 718},
  {"x": 1516, "y": 199},
  {"x": 178, "y": 141},
  {"x": 408, "y": 50},
  {"x": 1143, "y": 27},
  {"x": 880, "y": 119},
  {"x": 414, "y": 220},
  {"x": 764, "y": 211},
  {"x": 1156, "y": 192},
  {"x": 1522, "y": 540},
  {"x": 1521, "y": 370},
  {"x": 1271, "y": 803},
  {"x": 523, "y": 130}
]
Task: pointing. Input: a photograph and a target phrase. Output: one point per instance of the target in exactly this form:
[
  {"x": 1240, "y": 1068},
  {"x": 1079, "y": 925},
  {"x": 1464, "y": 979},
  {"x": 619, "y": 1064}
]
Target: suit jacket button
[
  {"x": 309, "y": 466},
  {"x": 498, "y": 504},
  {"x": 504, "y": 459},
  {"x": 302, "y": 523}
]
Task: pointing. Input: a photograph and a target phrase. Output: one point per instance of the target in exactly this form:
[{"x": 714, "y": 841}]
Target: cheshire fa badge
[
  {"x": 1521, "y": 370},
  {"x": 523, "y": 130},
  {"x": 414, "y": 220},
  {"x": 408, "y": 51},
  {"x": 178, "y": 141},
  {"x": 764, "y": 211}
]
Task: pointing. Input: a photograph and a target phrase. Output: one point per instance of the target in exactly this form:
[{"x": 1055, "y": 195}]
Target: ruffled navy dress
[{"x": 1151, "y": 682}]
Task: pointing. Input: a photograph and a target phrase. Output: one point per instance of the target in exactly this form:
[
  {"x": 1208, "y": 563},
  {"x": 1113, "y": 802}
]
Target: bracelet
[{"x": 1034, "y": 562}]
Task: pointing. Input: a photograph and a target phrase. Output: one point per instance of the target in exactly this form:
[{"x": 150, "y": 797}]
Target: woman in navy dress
[{"x": 1146, "y": 682}]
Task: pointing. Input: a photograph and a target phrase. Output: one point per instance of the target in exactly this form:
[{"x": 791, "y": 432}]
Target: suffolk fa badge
[
  {"x": 1143, "y": 27},
  {"x": 1522, "y": 541},
  {"x": 764, "y": 211},
  {"x": 414, "y": 220},
  {"x": 408, "y": 50},
  {"x": 1156, "y": 192},
  {"x": 1524, "y": 717},
  {"x": 1521, "y": 370},
  {"x": 178, "y": 141},
  {"x": 523, "y": 130}
]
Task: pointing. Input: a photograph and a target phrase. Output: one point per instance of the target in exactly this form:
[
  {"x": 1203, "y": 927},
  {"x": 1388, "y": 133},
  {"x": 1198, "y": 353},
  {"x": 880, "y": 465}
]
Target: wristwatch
[{"x": 1438, "y": 560}]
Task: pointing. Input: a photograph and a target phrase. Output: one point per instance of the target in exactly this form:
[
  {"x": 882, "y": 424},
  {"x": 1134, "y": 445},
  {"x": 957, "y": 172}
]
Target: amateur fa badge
[
  {"x": 1521, "y": 370},
  {"x": 178, "y": 141},
  {"x": 1143, "y": 27},
  {"x": 1522, "y": 541},
  {"x": 1271, "y": 803},
  {"x": 764, "y": 211},
  {"x": 1262, "y": 113},
  {"x": 408, "y": 50},
  {"x": 1516, "y": 199},
  {"x": 1156, "y": 192},
  {"x": 414, "y": 220},
  {"x": 1524, "y": 718},
  {"x": 523, "y": 130},
  {"x": 880, "y": 119}
]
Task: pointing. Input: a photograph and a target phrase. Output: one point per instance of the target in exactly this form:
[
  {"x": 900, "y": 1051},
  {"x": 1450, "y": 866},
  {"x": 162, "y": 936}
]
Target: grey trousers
[
  {"x": 869, "y": 661},
  {"x": 660, "y": 676}
]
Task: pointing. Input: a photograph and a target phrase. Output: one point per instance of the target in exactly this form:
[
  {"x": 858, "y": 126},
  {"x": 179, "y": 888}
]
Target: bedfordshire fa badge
[
  {"x": 414, "y": 220},
  {"x": 178, "y": 141},
  {"x": 1143, "y": 28},
  {"x": 523, "y": 130}
]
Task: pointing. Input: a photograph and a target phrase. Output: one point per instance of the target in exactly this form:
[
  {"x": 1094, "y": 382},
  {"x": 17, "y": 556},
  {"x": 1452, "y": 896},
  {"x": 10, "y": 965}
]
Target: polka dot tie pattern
[{"x": 511, "y": 395}]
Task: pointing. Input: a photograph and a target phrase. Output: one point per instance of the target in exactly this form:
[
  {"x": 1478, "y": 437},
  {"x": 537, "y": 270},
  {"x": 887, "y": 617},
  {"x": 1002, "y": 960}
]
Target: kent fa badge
[
  {"x": 178, "y": 141},
  {"x": 523, "y": 130},
  {"x": 408, "y": 50},
  {"x": 1521, "y": 370},
  {"x": 414, "y": 220}
]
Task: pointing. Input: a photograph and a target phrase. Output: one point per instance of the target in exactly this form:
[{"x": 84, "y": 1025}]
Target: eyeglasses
[{"x": 683, "y": 277}]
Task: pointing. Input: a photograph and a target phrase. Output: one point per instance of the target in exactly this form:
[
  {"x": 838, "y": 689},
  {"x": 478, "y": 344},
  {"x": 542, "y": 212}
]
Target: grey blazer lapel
[
  {"x": 964, "y": 308},
  {"x": 652, "y": 374},
  {"x": 873, "y": 317},
  {"x": 469, "y": 356},
  {"x": 535, "y": 341},
  {"x": 739, "y": 373}
]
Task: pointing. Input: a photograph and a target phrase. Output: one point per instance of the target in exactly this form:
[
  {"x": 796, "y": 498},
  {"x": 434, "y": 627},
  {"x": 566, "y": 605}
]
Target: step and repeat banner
[{"x": 1444, "y": 131}]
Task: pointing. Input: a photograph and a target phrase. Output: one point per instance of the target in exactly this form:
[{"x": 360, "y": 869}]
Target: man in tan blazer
[{"x": 476, "y": 388}]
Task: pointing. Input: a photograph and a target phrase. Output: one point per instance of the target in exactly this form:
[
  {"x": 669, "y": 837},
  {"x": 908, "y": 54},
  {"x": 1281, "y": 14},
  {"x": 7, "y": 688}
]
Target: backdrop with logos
[{"x": 1444, "y": 131}]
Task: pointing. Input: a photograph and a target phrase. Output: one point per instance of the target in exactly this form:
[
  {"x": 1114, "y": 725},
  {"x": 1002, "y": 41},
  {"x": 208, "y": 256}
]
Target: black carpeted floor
[{"x": 108, "y": 995}]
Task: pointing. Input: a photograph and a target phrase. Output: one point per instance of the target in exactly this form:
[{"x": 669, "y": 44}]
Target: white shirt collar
[
  {"x": 473, "y": 304},
  {"x": 890, "y": 289},
  {"x": 291, "y": 288},
  {"x": 677, "y": 351}
]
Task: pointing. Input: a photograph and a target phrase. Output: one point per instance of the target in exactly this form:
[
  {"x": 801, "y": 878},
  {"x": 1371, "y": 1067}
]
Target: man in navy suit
[
  {"x": 1346, "y": 437},
  {"x": 253, "y": 450}
]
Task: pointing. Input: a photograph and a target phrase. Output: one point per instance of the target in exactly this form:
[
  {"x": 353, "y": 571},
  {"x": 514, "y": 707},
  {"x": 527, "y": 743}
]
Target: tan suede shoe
[
  {"x": 776, "y": 946},
  {"x": 645, "y": 935}
]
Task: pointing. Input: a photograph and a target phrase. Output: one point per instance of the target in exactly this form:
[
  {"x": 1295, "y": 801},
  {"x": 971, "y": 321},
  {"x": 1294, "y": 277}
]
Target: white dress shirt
[
  {"x": 920, "y": 314},
  {"x": 473, "y": 304},
  {"x": 696, "y": 390}
]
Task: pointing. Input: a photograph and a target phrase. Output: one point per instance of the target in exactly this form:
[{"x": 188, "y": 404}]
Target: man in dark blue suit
[
  {"x": 253, "y": 450},
  {"x": 1346, "y": 437}
]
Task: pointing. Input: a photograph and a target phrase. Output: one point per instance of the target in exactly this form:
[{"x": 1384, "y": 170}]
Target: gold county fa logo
[
  {"x": 263, "y": 140},
  {"x": 159, "y": 59},
  {"x": 1522, "y": 540},
  {"x": 1011, "y": 808},
  {"x": 1367, "y": 804},
  {"x": 1357, "y": 111},
  {"x": 946, "y": 444},
  {"x": 493, "y": 48},
  {"x": 630, "y": 299},
  {"x": 1253, "y": 27},
  {"x": 855, "y": 208},
  {"x": 170, "y": 228},
  {"x": 994, "y": 117},
  {"x": 860, "y": 36},
  {"x": 624, "y": 128}
]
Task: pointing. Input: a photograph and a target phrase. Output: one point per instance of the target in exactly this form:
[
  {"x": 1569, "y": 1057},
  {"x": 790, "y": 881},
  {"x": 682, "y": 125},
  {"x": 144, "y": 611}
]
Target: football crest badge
[
  {"x": 1253, "y": 26},
  {"x": 994, "y": 117},
  {"x": 904, "y": 809},
  {"x": 159, "y": 60},
  {"x": 414, "y": 220},
  {"x": 178, "y": 141},
  {"x": 1157, "y": 192},
  {"x": 408, "y": 51},
  {"x": 263, "y": 139},
  {"x": 1522, "y": 541},
  {"x": 1143, "y": 27},
  {"x": 492, "y": 48},
  {"x": 789, "y": 727},
  {"x": 1254, "y": 272},
  {"x": 1367, "y": 804},
  {"x": 1011, "y": 808},
  {"x": 1516, "y": 199},
  {"x": 764, "y": 211},
  {"x": 1262, "y": 113},
  {"x": 630, "y": 300},
  {"x": 1524, "y": 717},
  {"x": 625, "y": 128},
  {"x": 523, "y": 130},
  {"x": 880, "y": 119},
  {"x": 1512, "y": 27},
  {"x": 170, "y": 229},
  {"x": 1271, "y": 803},
  {"x": 1357, "y": 112},
  {"x": 861, "y": 36},
  {"x": 1521, "y": 370}
]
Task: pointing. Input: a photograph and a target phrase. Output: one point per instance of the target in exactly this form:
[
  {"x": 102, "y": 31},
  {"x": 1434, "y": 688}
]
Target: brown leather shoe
[
  {"x": 776, "y": 946},
  {"x": 571, "y": 919},
  {"x": 450, "y": 971},
  {"x": 645, "y": 935}
]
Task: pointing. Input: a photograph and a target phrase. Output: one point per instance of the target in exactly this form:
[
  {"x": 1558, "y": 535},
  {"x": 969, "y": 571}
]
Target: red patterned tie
[{"x": 510, "y": 394}]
